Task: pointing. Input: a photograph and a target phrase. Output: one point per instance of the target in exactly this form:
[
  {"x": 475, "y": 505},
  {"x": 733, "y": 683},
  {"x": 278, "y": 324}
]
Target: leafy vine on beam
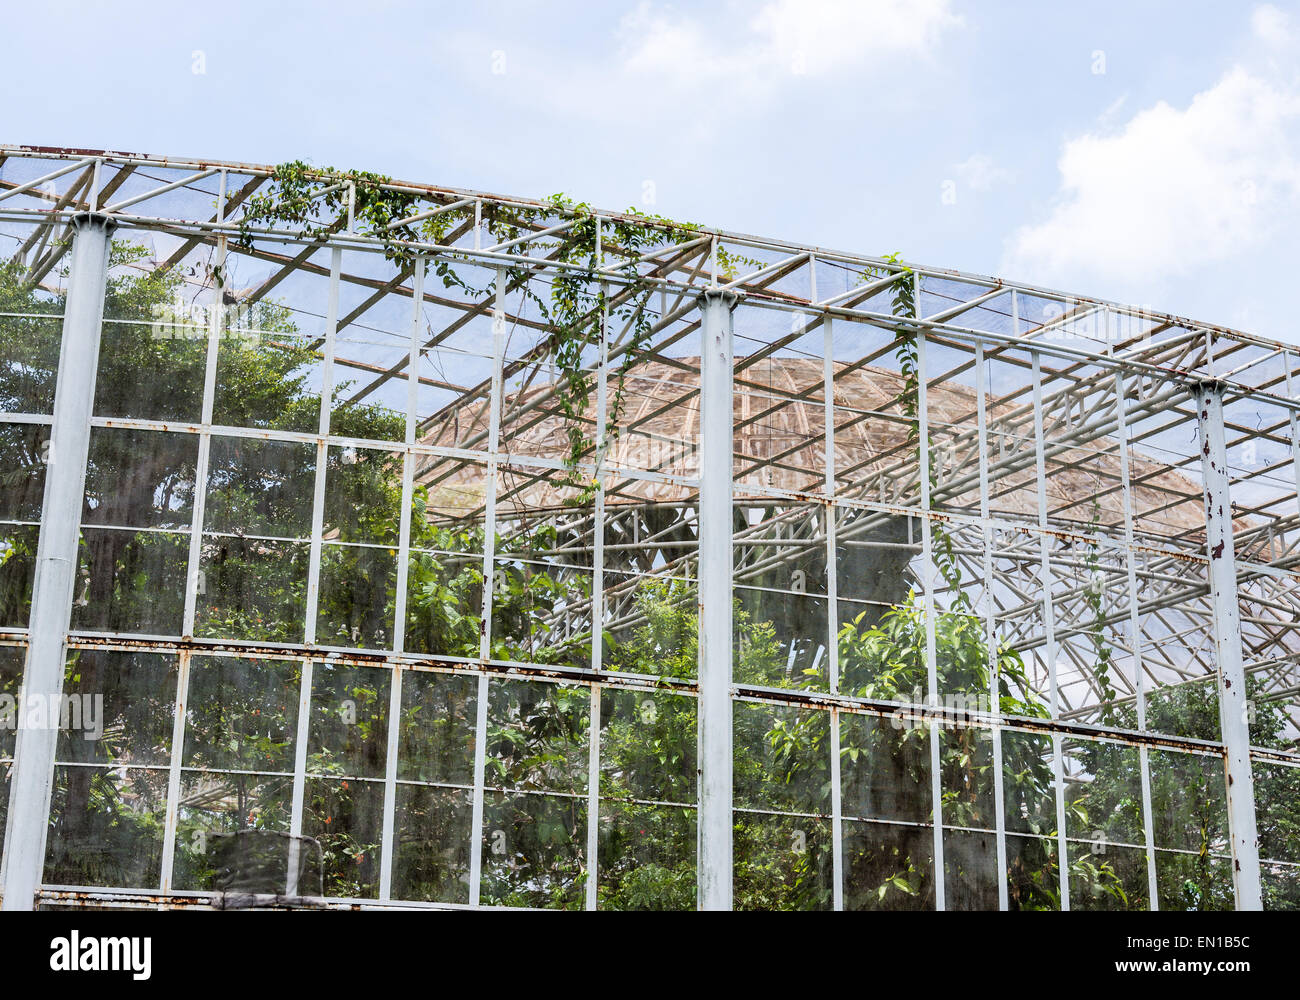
[
  {"x": 903, "y": 305},
  {"x": 575, "y": 309}
]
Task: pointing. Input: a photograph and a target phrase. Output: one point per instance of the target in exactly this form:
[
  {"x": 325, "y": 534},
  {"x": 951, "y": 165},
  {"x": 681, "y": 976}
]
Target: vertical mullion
[
  {"x": 399, "y": 590},
  {"x": 597, "y": 593},
  {"x": 832, "y": 608},
  {"x": 489, "y": 552},
  {"x": 313, "y": 569},
  {"x": 990, "y": 621},
  {"x": 593, "y": 796},
  {"x": 322, "y": 450},
  {"x": 299, "y": 775},
  {"x": 1049, "y": 628},
  {"x": 174, "y": 771},
  {"x": 194, "y": 558},
  {"x": 1135, "y": 635},
  {"x": 205, "y": 437},
  {"x": 928, "y": 609}
]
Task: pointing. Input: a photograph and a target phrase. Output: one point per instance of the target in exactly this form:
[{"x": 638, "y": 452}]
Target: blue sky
[{"x": 1143, "y": 151}]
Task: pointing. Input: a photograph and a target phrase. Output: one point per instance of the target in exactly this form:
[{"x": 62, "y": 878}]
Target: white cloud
[
  {"x": 981, "y": 174},
  {"x": 1174, "y": 191},
  {"x": 785, "y": 38},
  {"x": 1271, "y": 25}
]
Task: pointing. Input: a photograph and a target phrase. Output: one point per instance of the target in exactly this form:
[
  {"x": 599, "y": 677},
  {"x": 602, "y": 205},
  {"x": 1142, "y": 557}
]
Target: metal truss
[{"x": 1055, "y": 442}]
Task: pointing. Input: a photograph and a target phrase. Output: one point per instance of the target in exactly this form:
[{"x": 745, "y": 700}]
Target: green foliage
[{"x": 1188, "y": 801}]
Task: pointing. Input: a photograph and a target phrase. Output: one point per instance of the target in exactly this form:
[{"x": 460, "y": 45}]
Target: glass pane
[
  {"x": 117, "y": 708},
  {"x": 29, "y": 359},
  {"x": 242, "y": 715},
  {"x": 131, "y": 581},
  {"x": 1190, "y": 820},
  {"x": 140, "y": 479},
  {"x": 24, "y": 452},
  {"x": 12, "y": 659},
  {"x": 232, "y": 832},
  {"x": 647, "y": 746},
  {"x": 346, "y": 817},
  {"x": 18, "y": 545},
  {"x": 436, "y": 741},
  {"x": 146, "y": 370},
  {"x": 252, "y": 589},
  {"x": 349, "y": 721},
  {"x": 106, "y": 827},
  {"x": 534, "y": 849},
  {"x": 358, "y": 584},
  {"x": 782, "y": 863},
  {"x": 433, "y": 831},
  {"x": 646, "y": 857},
  {"x": 537, "y": 736},
  {"x": 260, "y": 487}
]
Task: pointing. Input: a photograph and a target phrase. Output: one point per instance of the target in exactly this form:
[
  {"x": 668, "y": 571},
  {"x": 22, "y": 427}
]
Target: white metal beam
[{"x": 56, "y": 565}]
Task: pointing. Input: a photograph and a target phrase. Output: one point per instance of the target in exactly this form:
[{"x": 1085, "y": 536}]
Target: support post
[
  {"x": 714, "y": 862},
  {"x": 1233, "y": 706},
  {"x": 56, "y": 563}
]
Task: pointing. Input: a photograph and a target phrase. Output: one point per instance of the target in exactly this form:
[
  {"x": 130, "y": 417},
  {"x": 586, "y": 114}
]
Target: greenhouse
[{"x": 368, "y": 544}]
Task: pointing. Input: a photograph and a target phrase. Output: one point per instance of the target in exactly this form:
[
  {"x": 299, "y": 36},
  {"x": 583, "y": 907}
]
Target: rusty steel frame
[{"x": 1080, "y": 393}]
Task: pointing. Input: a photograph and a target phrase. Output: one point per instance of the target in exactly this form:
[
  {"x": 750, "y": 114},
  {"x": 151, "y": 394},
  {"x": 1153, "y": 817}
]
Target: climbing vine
[
  {"x": 1094, "y": 595},
  {"x": 579, "y": 300},
  {"x": 907, "y": 353}
]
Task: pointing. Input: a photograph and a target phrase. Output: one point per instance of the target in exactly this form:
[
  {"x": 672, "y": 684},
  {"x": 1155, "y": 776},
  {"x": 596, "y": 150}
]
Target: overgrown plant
[
  {"x": 580, "y": 301},
  {"x": 1094, "y": 594},
  {"x": 903, "y": 304}
]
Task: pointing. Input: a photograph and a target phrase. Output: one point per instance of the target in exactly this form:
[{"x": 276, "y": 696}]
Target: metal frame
[{"x": 1082, "y": 397}]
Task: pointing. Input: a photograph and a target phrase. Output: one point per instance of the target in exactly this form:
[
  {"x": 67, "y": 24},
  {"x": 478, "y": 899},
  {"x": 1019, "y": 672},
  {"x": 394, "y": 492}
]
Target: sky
[{"x": 1142, "y": 151}]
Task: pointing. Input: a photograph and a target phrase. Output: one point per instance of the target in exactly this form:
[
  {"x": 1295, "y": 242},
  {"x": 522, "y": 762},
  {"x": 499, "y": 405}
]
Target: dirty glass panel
[
  {"x": 646, "y": 857},
  {"x": 433, "y": 837},
  {"x": 348, "y": 734},
  {"x": 116, "y": 708},
  {"x": 534, "y": 851},
  {"x": 537, "y": 736},
  {"x": 436, "y": 738},
  {"x": 345, "y": 816},
  {"x": 232, "y": 832},
  {"x": 1277, "y": 814},
  {"x": 241, "y": 714},
  {"x": 106, "y": 826},
  {"x": 888, "y": 840},
  {"x": 647, "y": 746},
  {"x": 1190, "y": 820},
  {"x": 1103, "y": 821},
  {"x": 29, "y": 358}
]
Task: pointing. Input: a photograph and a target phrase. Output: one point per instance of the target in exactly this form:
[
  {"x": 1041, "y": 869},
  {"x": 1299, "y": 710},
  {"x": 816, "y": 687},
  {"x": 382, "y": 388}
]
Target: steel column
[
  {"x": 715, "y": 571},
  {"x": 1233, "y": 704},
  {"x": 56, "y": 563},
  {"x": 489, "y": 582}
]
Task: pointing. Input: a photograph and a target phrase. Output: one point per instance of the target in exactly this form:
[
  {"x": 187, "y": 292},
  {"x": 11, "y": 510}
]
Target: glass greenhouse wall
[{"x": 375, "y": 544}]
